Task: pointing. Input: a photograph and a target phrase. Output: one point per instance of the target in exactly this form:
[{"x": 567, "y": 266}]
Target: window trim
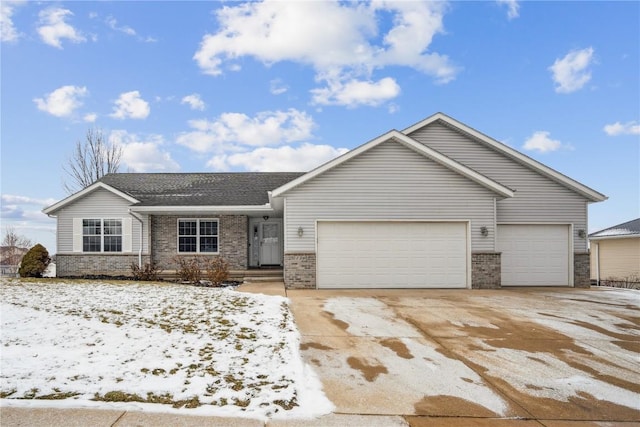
[
  {"x": 102, "y": 234},
  {"x": 197, "y": 236}
]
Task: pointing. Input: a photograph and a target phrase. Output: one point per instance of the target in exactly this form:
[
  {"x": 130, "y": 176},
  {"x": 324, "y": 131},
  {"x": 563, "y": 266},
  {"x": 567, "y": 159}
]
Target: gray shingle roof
[
  {"x": 199, "y": 189},
  {"x": 628, "y": 228}
]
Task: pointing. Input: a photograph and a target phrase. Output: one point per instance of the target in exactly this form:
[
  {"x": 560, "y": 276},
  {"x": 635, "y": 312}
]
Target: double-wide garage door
[
  {"x": 389, "y": 254},
  {"x": 534, "y": 255}
]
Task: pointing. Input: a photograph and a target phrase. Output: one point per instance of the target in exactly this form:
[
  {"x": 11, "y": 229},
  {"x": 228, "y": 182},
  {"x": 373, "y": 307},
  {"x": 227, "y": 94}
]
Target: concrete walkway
[{"x": 360, "y": 341}]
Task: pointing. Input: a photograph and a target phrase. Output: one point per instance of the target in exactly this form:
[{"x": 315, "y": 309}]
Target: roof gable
[
  {"x": 521, "y": 158},
  {"x": 84, "y": 192},
  {"x": 410, "y": 143}
]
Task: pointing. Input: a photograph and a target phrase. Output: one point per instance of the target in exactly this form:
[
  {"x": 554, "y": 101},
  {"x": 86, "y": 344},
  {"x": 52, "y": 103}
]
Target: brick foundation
[
  {"x": 78, "y": 265},
  {"x": 232, "y": 240},
  {"x": 581, "y": 270},
  {"x": 485, "y": 270},
  {"x": 300, "y": 270}
]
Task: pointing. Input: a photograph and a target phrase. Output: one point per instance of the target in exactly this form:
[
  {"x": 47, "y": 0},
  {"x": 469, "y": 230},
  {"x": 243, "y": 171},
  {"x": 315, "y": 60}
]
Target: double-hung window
[
  {"x": 197, "y": 235},
  {"x": 102, "y": 235}
]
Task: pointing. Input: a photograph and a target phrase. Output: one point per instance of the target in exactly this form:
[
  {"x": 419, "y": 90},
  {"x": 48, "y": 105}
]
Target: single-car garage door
[
  {"x": 534, "y": 255},
  {"x": 391, "y": 254}
]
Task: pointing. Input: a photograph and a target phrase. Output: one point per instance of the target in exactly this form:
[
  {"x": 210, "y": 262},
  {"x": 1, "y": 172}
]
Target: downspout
[
  {"x": 141, "y": 234},
  {"x": 598, "y": 263}
]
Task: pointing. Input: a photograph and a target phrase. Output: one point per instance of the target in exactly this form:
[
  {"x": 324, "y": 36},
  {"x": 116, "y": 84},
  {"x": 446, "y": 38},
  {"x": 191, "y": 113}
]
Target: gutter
[{"x": 141, "y": 231}]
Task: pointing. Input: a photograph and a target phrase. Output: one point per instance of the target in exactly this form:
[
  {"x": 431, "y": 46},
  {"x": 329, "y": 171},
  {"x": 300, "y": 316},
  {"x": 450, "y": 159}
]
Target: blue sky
[{"x": 199, "y": 86}]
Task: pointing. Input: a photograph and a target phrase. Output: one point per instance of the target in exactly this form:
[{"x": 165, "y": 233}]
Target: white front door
[{"x": 270, "y": 251}]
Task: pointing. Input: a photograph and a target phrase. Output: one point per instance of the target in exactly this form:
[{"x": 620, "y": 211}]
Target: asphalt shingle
[
  {"x": 625, "y": 229},
  {"x": 199, "y": 189}
]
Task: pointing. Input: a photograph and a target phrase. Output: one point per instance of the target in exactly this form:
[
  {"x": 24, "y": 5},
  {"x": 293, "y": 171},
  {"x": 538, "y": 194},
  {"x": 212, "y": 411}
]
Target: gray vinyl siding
[
  {"x": 388, "y": 182},
  {"x": 538, "y": 199},
  {"x": 98, "y": 204}
]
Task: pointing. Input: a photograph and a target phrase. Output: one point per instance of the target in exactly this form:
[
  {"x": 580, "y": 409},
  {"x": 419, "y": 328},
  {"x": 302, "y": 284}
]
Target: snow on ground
[{"x": 158, "y": 347}]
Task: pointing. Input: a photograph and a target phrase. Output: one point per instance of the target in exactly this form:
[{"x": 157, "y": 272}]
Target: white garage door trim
[
  {"x": 411, "y": 269},
  {"x": 535, "y": 267}
]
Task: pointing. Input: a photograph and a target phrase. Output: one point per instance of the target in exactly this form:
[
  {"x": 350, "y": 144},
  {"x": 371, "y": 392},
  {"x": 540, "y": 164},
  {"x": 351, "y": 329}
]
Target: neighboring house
[
  {"x": 437, "y": 205},
  {"x": 615, "y": 253}
]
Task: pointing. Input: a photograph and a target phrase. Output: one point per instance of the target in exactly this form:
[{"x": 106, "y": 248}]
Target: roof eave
[
  {"x": 589, "y": 193},
  {"x": 202, "y": 208},
  {"x": 619, "y": 236}
]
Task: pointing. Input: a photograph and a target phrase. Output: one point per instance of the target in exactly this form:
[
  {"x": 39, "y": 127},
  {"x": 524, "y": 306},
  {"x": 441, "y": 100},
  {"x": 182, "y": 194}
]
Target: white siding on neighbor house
[
  {"x": 388, "y": 182},
  {"x": 100, "y": 204},
  {"x": 538, "y": 199}
]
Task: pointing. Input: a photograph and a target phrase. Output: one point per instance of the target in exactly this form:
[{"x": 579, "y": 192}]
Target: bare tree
[
  {"x": 92, "y": 159},
  {"x": 14, "y": 246}
]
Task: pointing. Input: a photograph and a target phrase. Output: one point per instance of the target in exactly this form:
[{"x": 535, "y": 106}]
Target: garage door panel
[
  {"x": 391, "y": 254},
  {"x": 534, "y": 255}
]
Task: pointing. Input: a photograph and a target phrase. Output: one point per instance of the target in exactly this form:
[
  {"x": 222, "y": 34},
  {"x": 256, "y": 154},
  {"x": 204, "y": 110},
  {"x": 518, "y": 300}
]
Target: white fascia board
[
  {"x": 80, "y": 194},
  {"x": 410, "y": 143},
  {"x": 587, "y": 192},
  {"x": 206, "y": 208},
  {"x": 621, "y": 236}
]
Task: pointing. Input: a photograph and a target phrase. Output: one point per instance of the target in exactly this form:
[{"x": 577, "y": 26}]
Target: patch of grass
[
  {"x": 57, "y": 396},
  {"x": 158, "y": 371},
  {"x": 118, "y": 396},
  {"x": 287, "y": 405},
  {"x": 5, "y": 394},
  {"x": 194, "y": 402}
]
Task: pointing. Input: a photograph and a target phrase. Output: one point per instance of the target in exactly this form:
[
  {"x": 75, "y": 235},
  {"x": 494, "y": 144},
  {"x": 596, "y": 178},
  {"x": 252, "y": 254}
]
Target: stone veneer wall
[
  {"x": 232, "y": 240},
  {"x": 581, "y": 270},
  {"x": 300, "y": 270},
  {"x": 78, "y": 265},
  {"x": 485, "y": 270}
]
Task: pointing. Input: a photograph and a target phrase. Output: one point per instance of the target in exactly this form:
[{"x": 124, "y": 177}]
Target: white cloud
[
  {"x": 571, "y": 73},
  {"x": 63, "y": 101},
  {"x": 143, "y": 154},
  {"x": 513, "y": 8},
  {"x": 617, "y": 128},
  {"x": 282, "y": 159},
  {"x": 355, "y": 92},
  {"x": 349, "y": 49},
  {"x": 541, "y": 142},
  {"x": 90, "y": 117},
  {"x": 113, "y": 24},
  {"x": 231, "y": 129},
  {"x": 194, "y": 101},
  {"x": 130, "y": 106},
  {"x": 8, "y": 31},
  {"x": 26, "y": 200},
  {"x": 53, "y": 28},
  {"x": 277, "y": 87}
]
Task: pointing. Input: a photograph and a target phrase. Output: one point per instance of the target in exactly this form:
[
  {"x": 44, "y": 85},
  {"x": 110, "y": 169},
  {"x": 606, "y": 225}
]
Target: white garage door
[
  {"x": 534, "y": 255},
  {"x": 391, "y": 255}
]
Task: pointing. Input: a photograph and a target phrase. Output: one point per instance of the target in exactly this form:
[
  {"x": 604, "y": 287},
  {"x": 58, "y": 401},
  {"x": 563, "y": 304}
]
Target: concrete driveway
[{"x": 553, "y": 357}]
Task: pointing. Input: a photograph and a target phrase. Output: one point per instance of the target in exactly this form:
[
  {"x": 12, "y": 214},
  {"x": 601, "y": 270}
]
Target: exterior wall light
[
  {"x": 266, "y": 217},
  {"x": 581, "y": 233},
  {"x": 300, "y": 231},
  {"x": 484, "y": 231}
]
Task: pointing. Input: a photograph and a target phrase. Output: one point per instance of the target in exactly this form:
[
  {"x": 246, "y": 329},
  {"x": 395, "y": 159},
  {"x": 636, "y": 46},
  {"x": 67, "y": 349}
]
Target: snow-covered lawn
[{"x": 158, "y": 347}]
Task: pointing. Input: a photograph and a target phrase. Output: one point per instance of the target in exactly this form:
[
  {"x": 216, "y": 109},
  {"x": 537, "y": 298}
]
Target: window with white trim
[
  {"x": 101, "y": 235},
  {"x": 197, "y": 235}
]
